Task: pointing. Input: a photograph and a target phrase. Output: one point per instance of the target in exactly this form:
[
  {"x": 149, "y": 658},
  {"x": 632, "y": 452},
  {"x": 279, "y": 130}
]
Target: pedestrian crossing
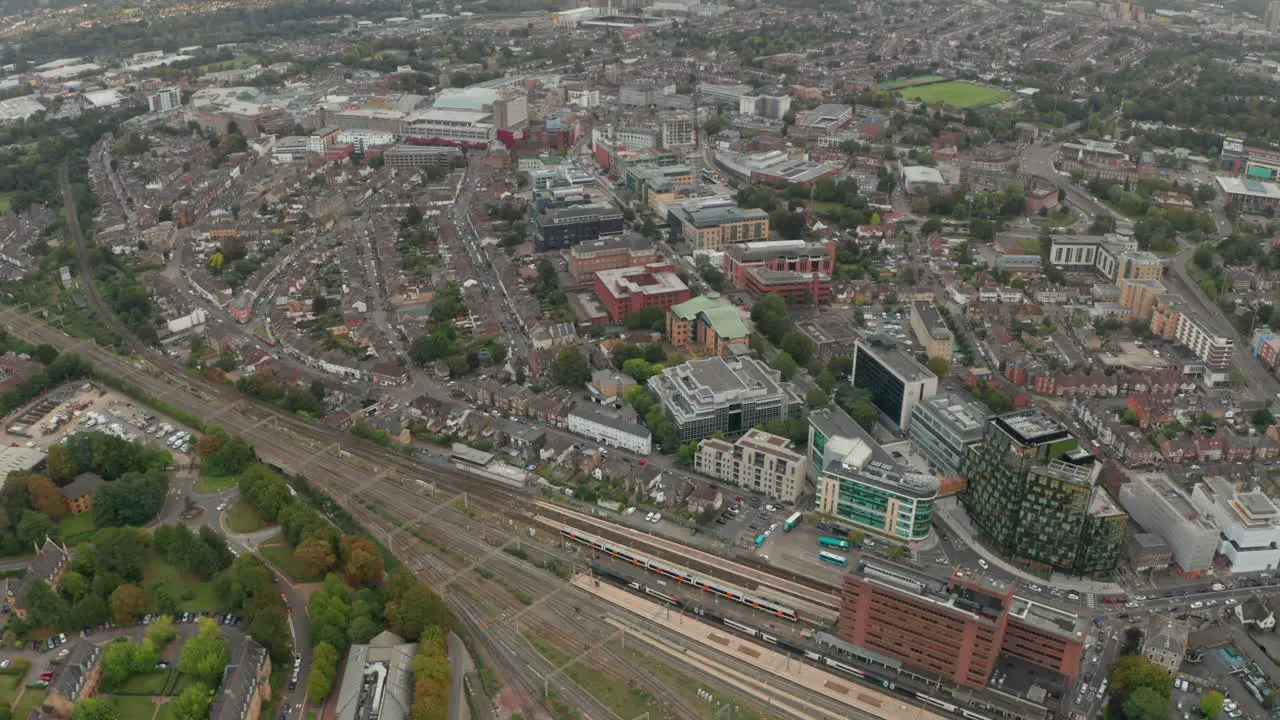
[{"x": 1090, "y": 601}]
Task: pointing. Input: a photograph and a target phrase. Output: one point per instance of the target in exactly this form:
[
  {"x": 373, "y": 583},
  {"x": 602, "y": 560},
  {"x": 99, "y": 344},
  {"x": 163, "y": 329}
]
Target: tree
[
  {"x": 134, "y": 499},
  {"x": 1211, "y": 704},
  {"x": 60, "y": 464},
  {"x": 324, "y": 670},
  {"x": 650, "y": 318},
  {"x": 205, "y": 655},
  {"x": 45, "y": 497},
  {"x": 94, "y": 709},
  {"x": 686, "y": 453},
  {"x": 1264, "y": 417},
  {"x": 193, "y": 703},
  {"x": 209, "y": 443},
  {"x": 315, "y": 556},
  {"x": 1135, "y": 671},
  {"x": 786, "y": 365},
  {"x": 639, "y": 369},
  {"x": 817, "y": 398},
  {"x": 939, "y": 366},
  {"x": 361, "y": 561},
  {"x": 570, "y": 368},
  {"x": 128, "y": 603},
  {"x": 855, "y": 538},
  {"x": 798, "y": 346},
  {"x": 1146, "y": 703},
  {"x": 161, "y": 631},
  {"x": 34, "y": 528},
  {"x": 865, "y": 414}
]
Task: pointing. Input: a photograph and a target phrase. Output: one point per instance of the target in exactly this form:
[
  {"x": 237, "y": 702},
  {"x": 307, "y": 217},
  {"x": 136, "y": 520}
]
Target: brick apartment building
[
  {"x": 609, "y": 253},
  {"x": 627, "y": 290}
]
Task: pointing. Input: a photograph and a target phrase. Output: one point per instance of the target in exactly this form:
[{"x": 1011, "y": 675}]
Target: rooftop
[
  {"x": 932, "y": 319},
  {"x": 1049, "y": 619},
  {"x": 716, "y": 216},
  {"x": 628, "y": 241},
  {"x": 965, "y": 415},
  {"x": 377, "y": 683},
  {"x": 18, "y": 459},
  {"x": 957, "y": 598},
  {"x": 84, "y": 484},
  {"x": 644, "y": 280},
  {"x": 919, "y": 174},
  {"x": 469, "y": 98},
  {"x": 765, "y": 249},
  {"x": 609, "y": 418},
  {"x": 1032, "y": 427},
  {"x": 770, "y": 444},
  {"x": 719, "y": 313},
  {"x": 895, "y": 359},
  {"x": 700, "y": 386},
  {"x": 1253, "y": 188}
]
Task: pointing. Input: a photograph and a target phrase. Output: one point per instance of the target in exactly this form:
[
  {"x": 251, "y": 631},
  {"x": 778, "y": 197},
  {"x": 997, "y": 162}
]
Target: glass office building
[{"x": 895, "y": 380}]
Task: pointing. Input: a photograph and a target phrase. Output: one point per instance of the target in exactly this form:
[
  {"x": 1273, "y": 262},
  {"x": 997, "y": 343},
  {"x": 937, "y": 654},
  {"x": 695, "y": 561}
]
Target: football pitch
[{"x": 959, "y": 94}]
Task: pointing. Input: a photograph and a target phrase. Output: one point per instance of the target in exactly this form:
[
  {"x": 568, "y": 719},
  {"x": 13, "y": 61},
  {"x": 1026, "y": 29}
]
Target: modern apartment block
[
  {"x": 164, "y": 100},
  {"x": 943, "y": 427},
  {"x": 1162, "y": 508},
  {"x": 895, "y": 380},
  {"x": 728, "y": 395},
  {"x": 758, "y": 461},
  {"x": 1033, "y": 493},
  {"x": 955, "y": 628},
  {"x": 1248, "y": 520},
  {"x": 714, "y": 227},
  {"x": 931, "y": 331}
]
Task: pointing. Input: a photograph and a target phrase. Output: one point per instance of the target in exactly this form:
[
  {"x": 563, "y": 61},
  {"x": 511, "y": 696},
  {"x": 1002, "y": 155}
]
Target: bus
[
  {"x": 792, "y": 522},
  {"x": 760, "y": 539},
  {"x": 833, "y": 558},
  {"x": 833, "y": 543},
  {"x": 708, "y": 172}
]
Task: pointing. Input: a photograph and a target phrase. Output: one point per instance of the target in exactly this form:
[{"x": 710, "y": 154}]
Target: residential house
[
  {"x": 78, "y": 494},
  {"x": 245, "y": 684},
  {"x": 79, "y": 679},
  {"x": 1256, "y": 613},
  {"x": 48, "y": 565}
]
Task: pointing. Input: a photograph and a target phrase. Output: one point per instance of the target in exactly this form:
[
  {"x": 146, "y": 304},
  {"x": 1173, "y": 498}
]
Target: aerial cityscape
[{"x": 567, "y": 360}]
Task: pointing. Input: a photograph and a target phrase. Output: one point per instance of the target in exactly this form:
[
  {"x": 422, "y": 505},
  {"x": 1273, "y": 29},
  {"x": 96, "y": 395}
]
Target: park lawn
[
  {"x": 77, "y": 529},
  {"x": 191, "y": 594},
  {"x": 1031, "y": 245},
  {"x": 6, "y": 200},
  {"x": 959, "y": 94},
  {"x": 212, "y": 485},
  {"x": 31, "y": 699},
  {"x": 10, "y": 686},
  {"x": 148, "y": 683},
  {"x": 133, "y": 708},
  {"x": 282, "y": 557},
  {"x": 242, "y": 518}
]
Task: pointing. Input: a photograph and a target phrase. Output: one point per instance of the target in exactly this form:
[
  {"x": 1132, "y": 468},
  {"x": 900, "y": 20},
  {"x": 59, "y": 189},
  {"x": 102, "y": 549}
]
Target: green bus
[
  {"x": 760, "y": 539},
  {"x": 833, "y": 543}
]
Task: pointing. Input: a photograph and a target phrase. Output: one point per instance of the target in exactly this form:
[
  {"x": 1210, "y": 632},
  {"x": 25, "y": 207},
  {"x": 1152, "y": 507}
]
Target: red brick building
[
  {"x": 799, "y": 271},
  {"x": 954, "y": 628},
  {"x": 631, "y": 289},
  {"x": 609, "y": 253}
]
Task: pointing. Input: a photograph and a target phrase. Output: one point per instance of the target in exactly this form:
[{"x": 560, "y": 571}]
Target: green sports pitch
[{"x": 959, "y": 94}]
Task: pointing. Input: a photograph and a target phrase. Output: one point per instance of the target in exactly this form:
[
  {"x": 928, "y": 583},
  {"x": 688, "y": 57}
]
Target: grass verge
[{"x": 242, "y": 518}]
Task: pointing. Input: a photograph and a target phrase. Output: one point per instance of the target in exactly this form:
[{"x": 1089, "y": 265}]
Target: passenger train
[
  {"x": 786, "y": 646},
  {"x": 663, "y": 568}
]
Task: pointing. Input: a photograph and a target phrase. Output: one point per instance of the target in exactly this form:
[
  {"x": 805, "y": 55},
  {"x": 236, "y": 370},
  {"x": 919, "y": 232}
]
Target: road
[{"x": 1260, "y": 382}]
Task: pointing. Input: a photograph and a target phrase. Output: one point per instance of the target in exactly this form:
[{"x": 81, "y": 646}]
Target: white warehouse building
[{"x": 1162, "y": 508}]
